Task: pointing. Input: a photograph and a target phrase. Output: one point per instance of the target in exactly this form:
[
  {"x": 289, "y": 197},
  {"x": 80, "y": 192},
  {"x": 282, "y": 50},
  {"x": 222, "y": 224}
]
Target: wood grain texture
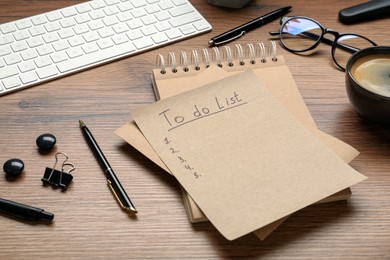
[{"x": 88, "y": 223}]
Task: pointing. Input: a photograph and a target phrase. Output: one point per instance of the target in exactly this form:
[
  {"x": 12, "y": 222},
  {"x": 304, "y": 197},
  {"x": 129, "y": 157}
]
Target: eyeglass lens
[
  {"x": 346, "y": 46},
  {"x": 300, "y": 34}
]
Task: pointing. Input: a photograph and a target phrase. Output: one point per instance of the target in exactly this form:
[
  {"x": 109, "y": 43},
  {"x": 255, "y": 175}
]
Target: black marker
[
  {"x": 24, "y": 211},
  {"x": 242, "y": 29}
]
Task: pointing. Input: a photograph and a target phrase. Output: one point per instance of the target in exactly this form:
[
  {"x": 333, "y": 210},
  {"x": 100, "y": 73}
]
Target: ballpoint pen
[
  {"x": 24, "y": 211},
  {"x": 242, "y": 29},
  {"x": 112, "y": 181}
]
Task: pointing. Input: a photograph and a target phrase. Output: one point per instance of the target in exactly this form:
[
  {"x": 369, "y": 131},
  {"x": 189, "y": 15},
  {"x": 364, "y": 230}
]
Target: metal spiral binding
[
  {"x": 161, "y": 64},
  {"x": 206, "y": 57},
  {"x": 183, "y": 61},
  {"x": 229, "y": 57},
  {"x": 252, "y": 52},
  {"x": 172, "y": 62},
  {"x": 240, "y": 54},
  {"x": 195, "y": 60}
]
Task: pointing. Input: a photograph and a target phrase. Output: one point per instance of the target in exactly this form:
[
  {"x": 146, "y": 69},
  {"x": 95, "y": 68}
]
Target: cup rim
[{"x": 366, "y": 52}]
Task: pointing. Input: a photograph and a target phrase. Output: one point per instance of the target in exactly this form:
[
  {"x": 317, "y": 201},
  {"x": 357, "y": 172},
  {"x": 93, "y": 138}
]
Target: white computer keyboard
[{"x": 57, "y": 43}]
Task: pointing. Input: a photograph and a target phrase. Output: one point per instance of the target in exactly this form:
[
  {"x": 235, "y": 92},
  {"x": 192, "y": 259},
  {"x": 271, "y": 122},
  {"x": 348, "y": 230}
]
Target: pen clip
[
  {"x": 116, "y": 195},
  {"x": 231, "y": 39}
]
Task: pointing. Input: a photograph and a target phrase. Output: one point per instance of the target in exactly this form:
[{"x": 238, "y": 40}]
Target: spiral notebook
[{"x": 177, "y": 74}]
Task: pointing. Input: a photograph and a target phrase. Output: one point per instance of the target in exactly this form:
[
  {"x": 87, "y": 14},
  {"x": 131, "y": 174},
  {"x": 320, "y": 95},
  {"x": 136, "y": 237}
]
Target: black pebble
[
  {"x": 46, "y": 142},
  {"x": 13, "y": 167}
]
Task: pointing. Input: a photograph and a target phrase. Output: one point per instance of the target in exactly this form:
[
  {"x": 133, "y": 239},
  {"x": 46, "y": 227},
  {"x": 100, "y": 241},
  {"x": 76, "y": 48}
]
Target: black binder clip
[{"x": 59, "y": 178}]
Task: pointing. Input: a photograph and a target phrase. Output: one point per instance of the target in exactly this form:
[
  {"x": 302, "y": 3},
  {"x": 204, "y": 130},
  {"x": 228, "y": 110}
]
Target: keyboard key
[
  {"x": 5, "y": 39},
  {"x": 5, "y": 50},
  {"x": 185, "y": 9},
  {"x": 125, "y": 6},
  {"x": 21, "y": 35},
  {"x": 47, "y": 72},
  {"x": 96, "y": 14},
  {"x": 161, "y": 16},
  {"x": 23, "y": 24},
  {"x": 89, "y": 48},
  {"x": 54, "y": 16},
  {"x": 111, "y": 2},
  {"x": 83, "y": 8},
  {"x": 120, "y": 28},
  {"x": 51, "y": 27},
  {"x": 111, "y": 10},
  {"x": 44, "y": 50},
  {"x": 59, "y": 56},
  {"x": 81, "y": 29},
  {"x": 159, "y": 38},
  {"x": 39, "y": 19},
  {"x": 34, "y": 42},
  {"x": 138, "y": 3},
  {"x": 68, "y": 11},
  {"x": 38, "y": 30},
  {"x": 95, "y": 25},
  {"x": 148, "y": 30},
  {"x": 173, "y": 34},
  {"x": 83, "y": 18},
  {"x": 165, "y": 5},
  {"x": 60, "y": 45},
  {"x": 97, "y": 4},
  {"x": 143, "y": 43},
  {"x": 19, "y": 46},
  {"x": 74, "y": 52},
  {"x": 76, "y": 41},
  {"x": 120, "y": 38},
  {"x": 8, "y": 72},
  {"x": 134, "y": 34},
  {"x": 201, "y": 25},
  {"x": 29, "y": 54},
  {"x": 66, "y": 33},
  {"x": 134, "y": 24},
  {"x": 42, "y": 61},
  {"x": 91, "y": 36},
  {"x": 187, "y": 29},
  {"x": 69, "y": 22},
  {"x": 50, "y": 37},
  {"x": 8, "y": 28},
  {"x": 105, "y": 43},
  {"x": 11, "y": 82},
  {"x": 28, "y": 77},
  {"x": 185, "y": 19},
  {"x": 12, "y": 59},
  {"x": 106, "y": 32},
  {"x": 26, "y": 66}
]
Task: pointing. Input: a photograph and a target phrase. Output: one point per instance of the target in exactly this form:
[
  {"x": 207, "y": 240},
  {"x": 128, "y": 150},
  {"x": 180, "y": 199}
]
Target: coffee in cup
[
  {"x": 368, "y": 83},
  {"x": 373, "y": 73}
]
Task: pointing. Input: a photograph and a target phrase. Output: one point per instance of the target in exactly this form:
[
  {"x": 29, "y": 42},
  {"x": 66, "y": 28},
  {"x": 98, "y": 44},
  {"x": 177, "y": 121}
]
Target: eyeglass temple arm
[{"x": 314, "y": 36}]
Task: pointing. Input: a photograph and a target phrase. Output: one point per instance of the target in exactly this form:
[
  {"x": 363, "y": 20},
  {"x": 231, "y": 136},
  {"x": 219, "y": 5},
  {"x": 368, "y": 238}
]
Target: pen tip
[{"x": 81, "y": 123}]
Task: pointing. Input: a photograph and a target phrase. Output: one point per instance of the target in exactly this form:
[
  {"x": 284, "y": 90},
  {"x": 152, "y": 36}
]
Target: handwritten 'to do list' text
[{"x": 218, "y": 105}]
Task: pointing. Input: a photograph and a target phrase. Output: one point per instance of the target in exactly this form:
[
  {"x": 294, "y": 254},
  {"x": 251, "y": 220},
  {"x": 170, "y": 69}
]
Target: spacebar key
[{"x": 95, "y": 57}]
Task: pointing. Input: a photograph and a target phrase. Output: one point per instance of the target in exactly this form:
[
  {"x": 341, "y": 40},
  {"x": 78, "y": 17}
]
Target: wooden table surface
[{"x": 89, "y": 224}]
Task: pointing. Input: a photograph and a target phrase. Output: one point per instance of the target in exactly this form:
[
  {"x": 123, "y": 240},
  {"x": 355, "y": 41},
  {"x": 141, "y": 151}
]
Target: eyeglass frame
[{"x": 321, "y": 38}]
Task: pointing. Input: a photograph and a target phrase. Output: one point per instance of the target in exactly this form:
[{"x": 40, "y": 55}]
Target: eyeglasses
[{"x": 301, "y": 34}]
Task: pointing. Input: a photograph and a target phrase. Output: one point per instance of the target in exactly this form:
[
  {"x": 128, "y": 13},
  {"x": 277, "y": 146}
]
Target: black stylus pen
[
  {"x": 24, "y": 211},
  {"x": 242, "y": 29},
  {"x": 112, "y": 181}
]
